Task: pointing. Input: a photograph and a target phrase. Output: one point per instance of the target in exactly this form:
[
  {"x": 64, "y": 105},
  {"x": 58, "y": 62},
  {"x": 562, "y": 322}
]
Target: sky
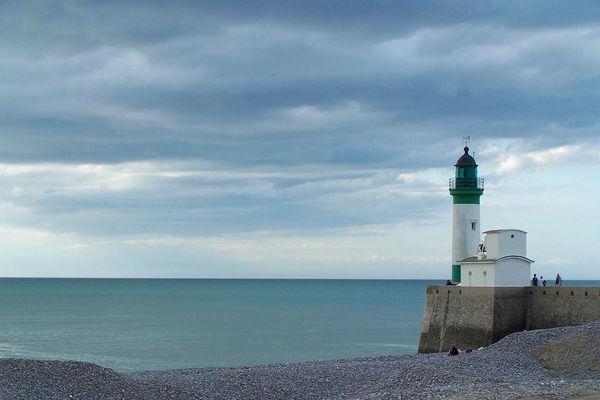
[{"x": 292, "y": 139}]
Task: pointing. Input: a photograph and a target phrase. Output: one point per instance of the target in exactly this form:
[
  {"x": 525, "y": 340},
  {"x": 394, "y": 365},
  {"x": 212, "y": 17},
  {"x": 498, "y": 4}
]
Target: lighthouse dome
[{"x": 466, "y": 160}]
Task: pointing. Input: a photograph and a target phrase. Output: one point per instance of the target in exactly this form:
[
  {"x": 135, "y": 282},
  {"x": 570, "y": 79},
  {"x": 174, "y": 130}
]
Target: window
[{"x": 473, "y": 225}]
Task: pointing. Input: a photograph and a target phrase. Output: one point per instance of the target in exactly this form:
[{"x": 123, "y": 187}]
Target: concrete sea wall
[{"x": 472, "y": 317}]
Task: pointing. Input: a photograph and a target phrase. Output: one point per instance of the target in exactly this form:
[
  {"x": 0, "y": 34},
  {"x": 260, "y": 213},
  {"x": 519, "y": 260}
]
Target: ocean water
[{"x": 138, "y": 324}]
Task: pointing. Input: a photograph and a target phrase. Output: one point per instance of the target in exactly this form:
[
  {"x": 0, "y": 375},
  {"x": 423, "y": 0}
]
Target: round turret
[
  {"x": 466, "y": 159},
  {"x": 465, "y": 181}
]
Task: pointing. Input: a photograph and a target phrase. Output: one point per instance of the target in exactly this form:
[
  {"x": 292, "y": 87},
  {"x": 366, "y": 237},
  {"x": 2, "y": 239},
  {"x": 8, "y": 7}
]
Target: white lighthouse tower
[{"x": 466, "y": 189}]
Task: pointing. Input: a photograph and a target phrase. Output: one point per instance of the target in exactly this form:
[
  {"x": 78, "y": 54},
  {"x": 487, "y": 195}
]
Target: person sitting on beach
[{"x": 454, "y": 351}]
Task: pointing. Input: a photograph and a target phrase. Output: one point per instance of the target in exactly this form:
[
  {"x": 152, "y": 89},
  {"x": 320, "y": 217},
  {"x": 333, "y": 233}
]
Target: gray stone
[
  {"x": 473, "y": 317},
  {"x": 504, "y": 370}
]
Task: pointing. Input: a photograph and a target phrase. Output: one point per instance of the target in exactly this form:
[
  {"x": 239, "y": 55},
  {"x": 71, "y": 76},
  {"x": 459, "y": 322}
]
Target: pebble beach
[{"x": 558, "y": 363}]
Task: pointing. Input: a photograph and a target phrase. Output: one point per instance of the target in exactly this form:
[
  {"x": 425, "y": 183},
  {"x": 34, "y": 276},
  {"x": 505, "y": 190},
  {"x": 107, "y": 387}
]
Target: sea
[{"x": 155, "y": 324}]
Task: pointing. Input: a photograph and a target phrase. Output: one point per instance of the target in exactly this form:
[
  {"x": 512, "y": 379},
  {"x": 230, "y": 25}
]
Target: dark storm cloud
[
  {"x": 274, "y": 85},
  {"x": 222, "y": 71},
  {"x": 79, "y": 25}
]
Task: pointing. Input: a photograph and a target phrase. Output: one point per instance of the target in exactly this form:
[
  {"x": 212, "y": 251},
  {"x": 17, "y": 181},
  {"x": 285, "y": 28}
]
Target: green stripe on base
[{"x": 466, "y": 196}]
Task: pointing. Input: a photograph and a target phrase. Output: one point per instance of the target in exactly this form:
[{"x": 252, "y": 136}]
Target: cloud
[
  {"x": 257, "y": 91},
  {"x": 187, "y": 198},
  {"x": 535, "y": 159},
  {"x": 523, "y": 58},
  {"x": 332, "y": 119},
  {"x": 515, "y": 159}
]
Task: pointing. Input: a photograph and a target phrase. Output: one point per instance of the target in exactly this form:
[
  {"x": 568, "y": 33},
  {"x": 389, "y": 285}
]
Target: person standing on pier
[{"x": 558, "y": 281}]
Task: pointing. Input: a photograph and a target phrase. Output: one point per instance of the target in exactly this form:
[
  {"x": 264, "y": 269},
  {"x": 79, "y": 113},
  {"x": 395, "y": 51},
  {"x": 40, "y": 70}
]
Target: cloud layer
[{"x": 269, "y": 122}]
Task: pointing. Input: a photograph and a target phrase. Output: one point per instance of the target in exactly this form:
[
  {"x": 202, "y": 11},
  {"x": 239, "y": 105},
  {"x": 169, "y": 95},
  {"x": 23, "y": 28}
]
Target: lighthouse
[{"x": 466, "y": 189}]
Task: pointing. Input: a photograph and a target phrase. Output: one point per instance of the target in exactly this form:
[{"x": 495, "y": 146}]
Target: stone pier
[{"x": 472, "y": 317}]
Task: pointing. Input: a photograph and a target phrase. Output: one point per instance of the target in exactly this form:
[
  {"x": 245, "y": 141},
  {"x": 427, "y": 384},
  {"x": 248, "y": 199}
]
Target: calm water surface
[
  {"x": 142, "y": 324},
  {"x": 133, "y": 325}
]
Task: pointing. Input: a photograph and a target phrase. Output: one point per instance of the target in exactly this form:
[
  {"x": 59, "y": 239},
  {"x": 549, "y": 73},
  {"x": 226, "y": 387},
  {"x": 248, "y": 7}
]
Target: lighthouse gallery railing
[{"x": 471, "y": 183}]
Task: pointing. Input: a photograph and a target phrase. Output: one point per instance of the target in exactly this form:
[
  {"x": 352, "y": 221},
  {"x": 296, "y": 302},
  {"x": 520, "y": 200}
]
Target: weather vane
[{"x": 466, "y": 140}]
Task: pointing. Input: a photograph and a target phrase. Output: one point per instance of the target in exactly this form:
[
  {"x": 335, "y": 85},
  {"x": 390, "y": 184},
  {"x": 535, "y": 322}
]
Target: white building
[{"x": 501, "y": 261}]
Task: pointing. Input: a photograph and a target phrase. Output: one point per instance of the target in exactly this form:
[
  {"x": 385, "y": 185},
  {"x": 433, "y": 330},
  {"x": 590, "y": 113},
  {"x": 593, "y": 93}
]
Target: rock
[{"x": 508, "y": 369}]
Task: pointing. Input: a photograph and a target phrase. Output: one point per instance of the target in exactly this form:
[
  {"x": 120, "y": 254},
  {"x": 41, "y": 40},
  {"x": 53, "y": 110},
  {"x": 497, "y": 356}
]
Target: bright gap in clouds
[
  {"x": 529, "y": 190},
  {"x": 118, "y": 215}
]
